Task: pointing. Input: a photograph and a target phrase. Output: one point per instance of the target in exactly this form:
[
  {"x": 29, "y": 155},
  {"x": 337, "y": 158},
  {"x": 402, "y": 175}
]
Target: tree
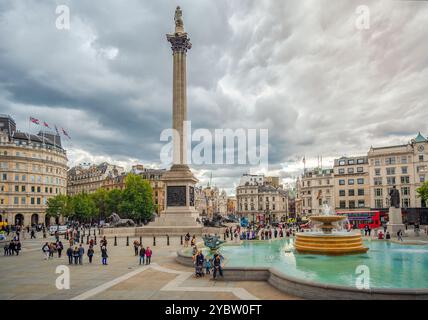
[
  {"x": 137, "y": 198},
  {"x": 59, "y": 205},
  {"x": 423, "y": 191},
  {"x": 99, "y": 198},
  {"x": 113, "y": 200},
  {"x": 84, "y": 207}
]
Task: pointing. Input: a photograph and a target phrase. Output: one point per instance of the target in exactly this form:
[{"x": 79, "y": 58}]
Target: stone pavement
[{"x": 29, "y": 276}]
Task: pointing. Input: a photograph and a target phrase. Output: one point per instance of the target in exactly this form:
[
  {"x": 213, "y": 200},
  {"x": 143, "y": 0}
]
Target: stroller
[{"x": 199, "y": 270}]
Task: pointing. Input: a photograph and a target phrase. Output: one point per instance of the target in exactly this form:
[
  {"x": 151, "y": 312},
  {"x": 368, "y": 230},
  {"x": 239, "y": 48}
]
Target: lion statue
[{"x": 116, "y": 221}]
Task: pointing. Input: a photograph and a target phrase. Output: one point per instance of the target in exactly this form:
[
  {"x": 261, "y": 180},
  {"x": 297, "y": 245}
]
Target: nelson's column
[{"x": 180, "y": 214}]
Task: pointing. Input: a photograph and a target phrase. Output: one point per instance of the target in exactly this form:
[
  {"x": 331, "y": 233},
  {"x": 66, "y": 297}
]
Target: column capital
[{"x": 179, "y": 42}]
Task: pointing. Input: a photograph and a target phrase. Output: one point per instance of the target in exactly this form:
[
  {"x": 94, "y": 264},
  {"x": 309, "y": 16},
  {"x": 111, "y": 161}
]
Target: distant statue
[
  {"x": 178, "y": 18},
  {"x": 116, "y": 221},
  {"x": 212, "y": 242},
  {"x": 394, "y": 197}
]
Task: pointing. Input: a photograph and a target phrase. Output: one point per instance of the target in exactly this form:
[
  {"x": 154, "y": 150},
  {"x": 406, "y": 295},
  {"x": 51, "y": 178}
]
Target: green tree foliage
[
  {"x": 99, "y": 198},
  {"x": 113, "y": 200},
  {"x": 137, "y": 200},
  {"x": 84, "y": 207},
  {"x": 423, "y": 191},
  {"x": 59, "y": 205}
]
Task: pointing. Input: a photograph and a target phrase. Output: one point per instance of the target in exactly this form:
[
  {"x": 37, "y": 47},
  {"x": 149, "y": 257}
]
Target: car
[{"x": 60, "y": 229}]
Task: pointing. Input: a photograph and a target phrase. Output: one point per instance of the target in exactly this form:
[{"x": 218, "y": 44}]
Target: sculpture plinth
[{"x": 395, "y": 222}]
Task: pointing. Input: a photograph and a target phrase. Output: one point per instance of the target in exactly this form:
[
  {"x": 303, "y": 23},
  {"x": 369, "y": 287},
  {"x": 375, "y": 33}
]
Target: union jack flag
[
  {"x": 34, "y": 120},
  {"x": 46, "y": 125},
  {"x": 65, "y": 133}
]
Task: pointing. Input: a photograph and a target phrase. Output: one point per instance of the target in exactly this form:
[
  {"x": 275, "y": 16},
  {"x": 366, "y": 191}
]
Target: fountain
[{"x": 328, "y": 240}]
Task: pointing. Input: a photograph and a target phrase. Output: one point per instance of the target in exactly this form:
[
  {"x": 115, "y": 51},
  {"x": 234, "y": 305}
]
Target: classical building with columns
[{"x": 33, "y": 168}]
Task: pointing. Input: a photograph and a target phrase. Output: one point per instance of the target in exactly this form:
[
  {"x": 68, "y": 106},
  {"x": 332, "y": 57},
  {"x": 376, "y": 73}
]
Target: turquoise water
[{"x": 391, "y": 265}]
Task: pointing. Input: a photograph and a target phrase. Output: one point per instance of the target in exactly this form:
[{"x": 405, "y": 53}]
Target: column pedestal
[{"x": 395, "y": 221}]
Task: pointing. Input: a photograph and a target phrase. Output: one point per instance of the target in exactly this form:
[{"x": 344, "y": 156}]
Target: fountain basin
[{"x": 333, "y": 244}]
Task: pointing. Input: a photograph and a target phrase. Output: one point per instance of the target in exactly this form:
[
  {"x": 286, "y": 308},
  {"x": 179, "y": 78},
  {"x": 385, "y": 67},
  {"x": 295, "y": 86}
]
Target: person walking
[
  {"x": 32, "y": 234},
  {"x": 70, "y": 255},
  {"x": 6, "y": 249},
  {"x": 186, "y": 240},
  {"x": 18, "y": 247},
  {"x": 76, "y": 255},
  {"x": 207, "y": 266},
  {"x": 136, "y": 246},
  {"x": 193, "y": 242},
  {"x": 148, "y": 255},
  {"x": 400, "y": 235},
  {"x": 90, "y": 253},
  {"x": 142, "y": 254},
  {"x": 45, "y": 250},
  {"x": 104, "y": 255},
  {"x": 59, "y": 248},
  {"x": 81, "y": 253}
]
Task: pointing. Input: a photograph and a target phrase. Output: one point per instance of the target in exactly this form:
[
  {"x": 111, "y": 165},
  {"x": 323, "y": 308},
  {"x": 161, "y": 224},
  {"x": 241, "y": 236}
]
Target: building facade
[
  {"x": 316, "y": 189},
  {"x": 210, "y": 201},
  {"x": 405, "y": 166},
  {"x": 88, "y": 178},
  {"x": 33, "y": 168},
  {"x": 351, "y": 183},
  {"x": 259, "y": 201}
]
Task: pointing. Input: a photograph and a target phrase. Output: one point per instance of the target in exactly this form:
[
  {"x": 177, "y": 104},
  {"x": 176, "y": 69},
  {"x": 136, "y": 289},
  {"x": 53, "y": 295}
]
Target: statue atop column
[
  {"x": 394, "y": 197},
  {"x": 178, "y": 18}
]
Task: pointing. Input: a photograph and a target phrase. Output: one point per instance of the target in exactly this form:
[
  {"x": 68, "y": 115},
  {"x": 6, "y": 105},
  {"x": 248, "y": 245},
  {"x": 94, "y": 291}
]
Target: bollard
[
  {"x": 99, "y": 231},
  {"x": 167, "y": 240},
  {"x": 81, "y": 239},
  {"x": 231, "y": 236},
  {"x": 84, "y": 232},
  {"x": 95, "y": 240},
  {"x": 65, "y": 236},
  {"x": 181, "y": 240},
  {"x": 127, "y": 241},
  {"x": 94, "y": 232},
  {"x": 141, "y": 240},
  {"x": 154, "y": 241},
  {"x": 87, "y": 239},
  {"x": 115, "y": 240}
]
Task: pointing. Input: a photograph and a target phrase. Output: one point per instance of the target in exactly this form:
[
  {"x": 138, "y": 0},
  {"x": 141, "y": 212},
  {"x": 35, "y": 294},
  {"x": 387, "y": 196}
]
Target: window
[
  {"x": 360, "y": 169},
  {"x": 23, "y": 200},
  {"x": 359, "y": 161},
  {"x": 350, "y": 181},
  {"x": 405, "y": 179},
  {"x": 16, "y": 177},
  {"x": 342, "y": 204},
  {"x": 342, "y": 162},
  {"x": 390, "y": 160},
  {"x": 405, "y": 202},
  {"x": 404, "y": 170},
  {"x": 421, "y": 157},
  {"x": 351, "y": 192},
  {"x": 320, "y": 202},
  {"x": 341, "y": 182},
  {"x": 377, "y": 172},
  {"x": 377, "y": 162},
  {"x": 361, "y": 204},
  {"x": 16, "y": 188},
  {"x": 341, "y": 171},
  {"x": 377, "y": 181},
  {"x": 38, "y": 200},
  {"x": 23, "y": 188},
  {"x": 38, "y": 189},
  {"x": 390, "y": 171},
  {"x": 32, "y": 200},
  {"x": 16, "y": 200},
  {"x": 390, "y": 180},
  {"x": 360, "y": 192},
  {"x": 4, "y": 176},
  {"x": 351, "y": 204},
  {"x": 403, "y": 159},
  {"x": 360, "y": 180},
  {"x": 405, "y": 191},
  {"x": 341, "y": 193},
  {"x": 350, "y": 170},
  {"x": 422, "y": 179},
  {"x": 420, "y": 168},
  {"x": 378, "y": 193},
  {"x": 351, "y": 161},
  {"x": 378, "y": 203}
]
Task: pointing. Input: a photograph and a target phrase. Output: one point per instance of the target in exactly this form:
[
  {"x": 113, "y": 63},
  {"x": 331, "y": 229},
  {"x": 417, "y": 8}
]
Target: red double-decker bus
[{"x": 359, "y": 219}]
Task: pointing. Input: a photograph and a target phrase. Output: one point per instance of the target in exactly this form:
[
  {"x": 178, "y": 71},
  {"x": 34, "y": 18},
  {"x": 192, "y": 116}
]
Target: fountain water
[{"x": 332, "y": 239}]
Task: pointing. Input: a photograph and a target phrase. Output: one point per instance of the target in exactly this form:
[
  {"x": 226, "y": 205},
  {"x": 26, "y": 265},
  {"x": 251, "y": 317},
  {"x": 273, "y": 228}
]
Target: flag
[
  {"x": 65, "y": 133},
  {"x": 56, "y": 129},
  {"x": 304, "y": 160},
  {"x": 34, "y": 120},
  {"x": 46, "y": 125}
]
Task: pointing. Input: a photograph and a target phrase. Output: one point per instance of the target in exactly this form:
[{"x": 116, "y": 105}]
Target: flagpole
[{"x": 29, "y": 135}]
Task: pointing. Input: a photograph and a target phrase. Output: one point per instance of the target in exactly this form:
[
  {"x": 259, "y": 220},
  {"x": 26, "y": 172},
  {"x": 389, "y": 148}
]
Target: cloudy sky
[{"x": 301, "y": 69}]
